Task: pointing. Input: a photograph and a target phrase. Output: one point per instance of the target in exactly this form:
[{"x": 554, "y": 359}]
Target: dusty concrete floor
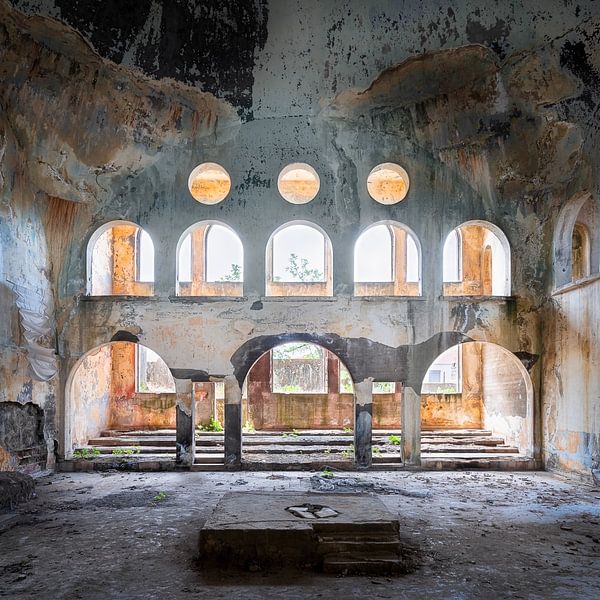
[{"x": 483, "y": 535}]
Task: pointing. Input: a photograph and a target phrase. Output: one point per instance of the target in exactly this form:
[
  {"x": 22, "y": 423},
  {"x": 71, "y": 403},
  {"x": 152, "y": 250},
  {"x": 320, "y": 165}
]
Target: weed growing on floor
[
  {"x": 123, "y": 451},
  {"x": 348, "y": 452},
  {"x": 160, "y": 497},
  {"x": 394, "y": 440},
  {"x": 248, "y": 427},
  {"x": 347, "y": 430},
  {"x": 212, "y": 425},
  {"x": 86, "y": 453},
  {"x": 327, "y": 473},
  {"x": 376, "y": 450}
]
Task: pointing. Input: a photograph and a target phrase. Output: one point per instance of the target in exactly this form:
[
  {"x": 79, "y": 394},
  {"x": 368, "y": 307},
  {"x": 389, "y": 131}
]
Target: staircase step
[
  {"x": 206, "y": 459},
  {"x": 351, "y": 564}
]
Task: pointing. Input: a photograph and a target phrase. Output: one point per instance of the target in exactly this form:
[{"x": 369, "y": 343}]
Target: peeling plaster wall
[
  {"x": 492, "y": 111},
  {"x": 572, "y": 381}
]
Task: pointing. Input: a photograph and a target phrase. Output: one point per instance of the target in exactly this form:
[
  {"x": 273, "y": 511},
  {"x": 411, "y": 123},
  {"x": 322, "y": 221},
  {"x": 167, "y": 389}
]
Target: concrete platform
[{"x": 256, "y": 531}]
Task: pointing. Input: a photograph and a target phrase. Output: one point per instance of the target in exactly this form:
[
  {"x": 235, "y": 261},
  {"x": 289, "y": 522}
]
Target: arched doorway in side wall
[
  {"x": 298, "y": 408},
  {"x": 120, "y": 404},
  {"x": 476, "y": 401}
]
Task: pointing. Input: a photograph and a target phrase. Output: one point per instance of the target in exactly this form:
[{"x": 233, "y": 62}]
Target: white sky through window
[
  {"x": 373, "y": 255},
  {"x": 223, "y": 249},
  {"x": 303, "y": 241}
]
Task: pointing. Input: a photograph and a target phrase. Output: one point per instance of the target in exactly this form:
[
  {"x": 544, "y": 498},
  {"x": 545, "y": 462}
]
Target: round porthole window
[
  {"x": 209, "y": 183},
  {"x": 298, "y": 183},
  {"x": 388, "y": 183}
]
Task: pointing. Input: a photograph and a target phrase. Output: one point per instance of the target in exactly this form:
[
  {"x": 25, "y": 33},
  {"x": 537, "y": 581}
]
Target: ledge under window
[
  {"x": 298, "y": 299},
  {"x": 577, "y": 284},
  {"x": 120, "y": 298},
  {"x": 478, "y": 299},
  {"x": 207, "y": 299}
]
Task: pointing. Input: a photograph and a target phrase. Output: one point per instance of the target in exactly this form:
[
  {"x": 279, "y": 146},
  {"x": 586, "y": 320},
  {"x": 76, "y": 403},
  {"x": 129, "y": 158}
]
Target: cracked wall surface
[{"x": 492, "y": 111}]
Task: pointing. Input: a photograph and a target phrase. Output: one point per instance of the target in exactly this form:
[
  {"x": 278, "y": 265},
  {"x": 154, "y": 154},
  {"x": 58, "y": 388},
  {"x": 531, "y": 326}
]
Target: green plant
[
  {"x": 235, "y": 274},
  {"x": 159, "y": 497},
  {"x": 295, "y": 433},
  {"x": 327, "y": 473},
  {"x": 122, "y": 451},
  {"x": 212, "y": 425},
  {"x": 376, "y": 450},
  {"x": 348, "y": 452},
  {"x": 347, "y": 430},
  {"x": 248, "y": 427},
  {"x": 86, "y": 453},
  {"x": 394, "y": 440},
  {"x": 298, "y": 268},
  {"x": 327, "y": 451}
]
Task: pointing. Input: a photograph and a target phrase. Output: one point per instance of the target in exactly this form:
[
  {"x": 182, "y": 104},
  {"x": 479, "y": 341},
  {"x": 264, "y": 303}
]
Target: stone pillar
[
  {"x": 363, "y": 426},
  {"x": 411, "y": 427},
  {"x": 185, "y": 435},
  {"x": 233, "y": 422}
]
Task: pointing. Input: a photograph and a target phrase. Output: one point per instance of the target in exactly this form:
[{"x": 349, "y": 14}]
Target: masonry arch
[
  {"x": 119, "y": 385},
  {"x": 210, "y": 261},
  {"x": 387, "y": 261},
  {"x": 480, "y": 386},
  {"x": 577, "y": 240},
  {"x": 476, "y": 261},
  {"x": 299, "y": 261},
  {"x": 120, "y": 261},
  {"x": 299, "y": 392}
]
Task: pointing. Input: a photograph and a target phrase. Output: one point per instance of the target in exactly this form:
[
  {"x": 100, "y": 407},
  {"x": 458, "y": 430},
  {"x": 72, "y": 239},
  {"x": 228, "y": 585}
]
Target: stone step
[
  {"x": 206, "y": 459},
  {"x": 434, "y": 449},
  {"x": 382, "y": 563},
  {"x": 385, "y": 457},
  {"x": 207, "y": 468},
  {"x": 133, "y": 441},
  {"x": 109, "y": 450}
]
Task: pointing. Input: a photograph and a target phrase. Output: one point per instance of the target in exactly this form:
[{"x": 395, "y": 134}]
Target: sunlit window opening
[
  {"x": 373, "y": 255},
  {"x": 298, "y": 368},
  {"x": 298, "y": 183},
  {"x": 210, "y": 261},
  {"x": 144, "y": 257},
  {"x": 476, "y": 261},
  {"x": 120, "y": 261},
  {"x": 299, "y": 254},
  {"x": 388, "y": 183},
  {"x": 444, "y": 375},
  {"x": 152, "y": 374},
  {"x": 224, "y": 254},
  {"x": 387, "y": 262},
  {"x": 209, "y": 183}
]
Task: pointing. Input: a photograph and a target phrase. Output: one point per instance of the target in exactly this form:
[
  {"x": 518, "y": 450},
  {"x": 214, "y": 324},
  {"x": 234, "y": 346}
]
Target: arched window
[
  {"x": 120, "y": 261},
  {"x": 580, "y": 252},
  {"x": 476, "y": 261},
  {"x": 453, "y": 257},
  {"x": 144, "y": 257},
  {"x": 387, "y": 262},
  {"x": 298, "y": 261},
  {"x": 373, "y": 255},
  {"x": 577, "y": 240},
  {"x": 210, "y": 261}
]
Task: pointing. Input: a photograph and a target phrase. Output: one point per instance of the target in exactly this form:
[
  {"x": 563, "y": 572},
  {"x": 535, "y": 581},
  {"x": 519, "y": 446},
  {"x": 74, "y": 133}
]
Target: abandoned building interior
[{"x": 358, "y": 240}]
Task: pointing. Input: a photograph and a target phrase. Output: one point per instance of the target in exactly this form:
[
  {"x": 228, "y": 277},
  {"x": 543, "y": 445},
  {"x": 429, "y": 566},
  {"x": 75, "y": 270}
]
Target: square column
[
  {"x": 363, "y": 423},
  {"x": 185, "y": 419},
  {"x": 233, "y": 422},
  {"x": 411, "y": 427}
]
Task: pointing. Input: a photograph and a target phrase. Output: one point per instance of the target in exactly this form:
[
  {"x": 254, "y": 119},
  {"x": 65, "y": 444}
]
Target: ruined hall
[{"x": 299, "y": 299}]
